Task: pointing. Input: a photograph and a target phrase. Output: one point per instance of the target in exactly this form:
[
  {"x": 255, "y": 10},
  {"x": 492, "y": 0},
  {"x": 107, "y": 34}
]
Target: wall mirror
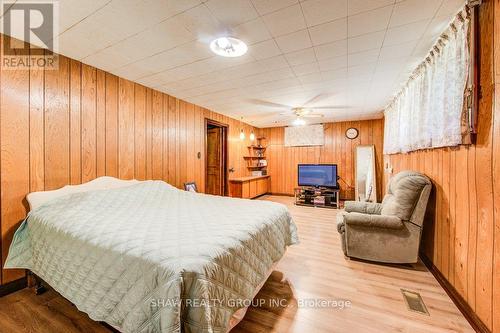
[{"x": 366, "y": 185}]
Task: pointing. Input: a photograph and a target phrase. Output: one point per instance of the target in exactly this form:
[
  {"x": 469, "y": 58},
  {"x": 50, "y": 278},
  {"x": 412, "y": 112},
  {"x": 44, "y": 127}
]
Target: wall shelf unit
[{"x": 256, "y": 159}]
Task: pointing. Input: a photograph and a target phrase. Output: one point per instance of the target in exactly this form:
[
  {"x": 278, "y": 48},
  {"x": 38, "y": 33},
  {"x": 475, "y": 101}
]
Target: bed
[{"x": 148, "y": 257}]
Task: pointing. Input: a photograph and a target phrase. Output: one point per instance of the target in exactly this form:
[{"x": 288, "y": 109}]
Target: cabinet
[{"x": 248, "y": 187}]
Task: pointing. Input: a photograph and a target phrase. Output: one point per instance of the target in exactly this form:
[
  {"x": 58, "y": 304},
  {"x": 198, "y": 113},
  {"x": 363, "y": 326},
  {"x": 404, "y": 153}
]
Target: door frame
[{"x": 225, "y": 129}]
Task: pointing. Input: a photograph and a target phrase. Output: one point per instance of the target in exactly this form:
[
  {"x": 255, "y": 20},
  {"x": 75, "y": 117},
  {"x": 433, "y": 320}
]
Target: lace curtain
[{"x": 428, "y": 111}]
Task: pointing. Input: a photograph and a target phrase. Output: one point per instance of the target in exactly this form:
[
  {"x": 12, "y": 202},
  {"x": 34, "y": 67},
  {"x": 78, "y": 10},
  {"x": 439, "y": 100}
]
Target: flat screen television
[{"x": 318, "y": 175}]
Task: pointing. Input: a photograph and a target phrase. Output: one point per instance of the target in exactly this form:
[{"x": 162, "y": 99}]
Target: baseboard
[
  {"x": 13, "y": 286},
  {"x": 459, "y": 301},
  {"x": 280, "y": 194}
]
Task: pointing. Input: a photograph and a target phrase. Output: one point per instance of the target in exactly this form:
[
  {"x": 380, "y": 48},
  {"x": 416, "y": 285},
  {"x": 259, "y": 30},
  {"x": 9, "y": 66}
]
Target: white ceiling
[{"x": 354, "y": 54}]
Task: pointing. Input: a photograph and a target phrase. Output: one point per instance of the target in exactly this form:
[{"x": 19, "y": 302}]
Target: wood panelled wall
[
  {"x": 77, "y": 123},
  {"x": 462, "y": 231},
  {"x": 283, "y": 161}
]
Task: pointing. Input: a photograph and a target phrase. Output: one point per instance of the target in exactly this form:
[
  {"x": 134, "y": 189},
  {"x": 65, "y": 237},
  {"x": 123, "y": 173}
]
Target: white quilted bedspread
[{"x": 129, "y": 256}]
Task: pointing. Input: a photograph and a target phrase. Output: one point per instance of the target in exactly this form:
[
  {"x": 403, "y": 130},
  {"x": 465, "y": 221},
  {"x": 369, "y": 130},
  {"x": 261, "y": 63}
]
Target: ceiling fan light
[
  {"x": 228, "y": 47},
  {"x": 299, "y": 122}
]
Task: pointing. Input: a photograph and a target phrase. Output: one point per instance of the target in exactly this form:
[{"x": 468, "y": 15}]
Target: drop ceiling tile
[
  {"x": 398, "y": 51},
  {"x": 264, "y": 49},
  {"x": 120, "y": 20},
  {"x": 405, "y": 33},
  {"x": 366, "y": 42},
  {"x": 209, "y": 89},
  {"x": 232, "y": 13},
  {"x": 371, "y": 21},
  {"x": 253, "y": 31},
  {"x": 178, "y": 74},
  {"x": 329, "y": 32},
  {"x": 333, "y": 63},
  {"x": 422, "y": 49},
  {"x": 169, "y": 91},
  {"x": 295, "y": 41},
  {"x": 450, "y": 7},
  {"x": 280, "y": 74},
  {"x": 276, "y": 85},
  {"x": 285, "y": 21},
  {"x": 322, "y": 11},
  {"x": 336, "y": 74},
  {"x": 310, "y": 78},
  {"x": 437, "y": 26},
  {"x": 77, "y": 10},
  {"x": 87, "y": 38},
  {"x": 359, "y": 6},
  {"x": 385, "y": 78},
  {"x": 330, "y": 50},
  {"x": 413, "y": 10},
  {"x": 201, "y": 23},
  {"x": 364, "y": 70},
  {"x": 268, "y": 6},
  {"x": 109, "y": 58},
  {"x": 179, "y": 62},
  {"x": 178, "y": 56},
  {"x": 270, "y": 64},
  {"x": 362, "y": 58},
  {"x": 161, "y": 37},
  {"x": 412, "y": 63},
  {"x": 386, "y": 64},
  {"x": 306, "y": 68},
  {"x": 133, "y": 72},
  {"x": 301, "y": 57}
]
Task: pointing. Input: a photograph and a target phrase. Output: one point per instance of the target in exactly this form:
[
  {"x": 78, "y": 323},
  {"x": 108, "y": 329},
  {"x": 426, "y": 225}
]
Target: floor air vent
[{"x": 414, "y": 302}]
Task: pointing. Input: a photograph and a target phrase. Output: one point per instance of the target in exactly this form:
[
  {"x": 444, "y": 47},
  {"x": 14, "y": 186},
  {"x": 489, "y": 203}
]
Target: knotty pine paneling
[
  {"x": 461, "y": 233},
  {"x": 283, "y": 161},
  {"x": 14, "y": 154},
  {"x": 77, "y": 123}
]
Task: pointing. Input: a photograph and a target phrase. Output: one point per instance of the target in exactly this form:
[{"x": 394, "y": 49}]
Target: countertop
[{"x": 246, "y": 179}]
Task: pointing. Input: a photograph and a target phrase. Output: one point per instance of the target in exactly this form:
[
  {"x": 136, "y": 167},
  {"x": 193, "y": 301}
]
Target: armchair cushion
[
  {"x": 403, "y": 194},
  {"x": 363, "y": 207},
  {"x": 373, "y": 221}
]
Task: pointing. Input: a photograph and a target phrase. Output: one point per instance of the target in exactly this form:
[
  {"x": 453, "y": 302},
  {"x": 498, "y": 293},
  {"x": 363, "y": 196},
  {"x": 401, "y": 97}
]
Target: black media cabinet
[{"x": 317, "y": 197}]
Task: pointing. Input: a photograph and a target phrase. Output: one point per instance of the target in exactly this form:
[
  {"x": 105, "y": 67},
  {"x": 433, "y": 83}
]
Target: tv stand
[{"x": 317, "y": 197}]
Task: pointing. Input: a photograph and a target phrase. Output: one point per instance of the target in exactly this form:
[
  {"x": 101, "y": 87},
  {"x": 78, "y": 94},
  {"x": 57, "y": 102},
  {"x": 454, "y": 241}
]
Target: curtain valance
[{"x": 429, "y": 110}]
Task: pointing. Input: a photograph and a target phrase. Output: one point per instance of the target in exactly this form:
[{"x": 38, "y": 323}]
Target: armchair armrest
[
  {"x": 363, "y": 207},
  {"x": 373, "y": 221}
]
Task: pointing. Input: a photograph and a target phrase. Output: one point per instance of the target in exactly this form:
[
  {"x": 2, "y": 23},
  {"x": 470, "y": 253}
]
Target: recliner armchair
[{"x": 389, "y": 232}]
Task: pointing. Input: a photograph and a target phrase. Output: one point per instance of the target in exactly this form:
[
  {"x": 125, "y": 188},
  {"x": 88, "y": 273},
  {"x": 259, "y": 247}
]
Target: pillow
[{"x": 36, "y": 199}]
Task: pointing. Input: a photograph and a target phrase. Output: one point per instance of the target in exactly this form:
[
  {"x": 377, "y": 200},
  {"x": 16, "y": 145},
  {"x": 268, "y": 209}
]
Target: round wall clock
[{"x": 351, "y": 133}]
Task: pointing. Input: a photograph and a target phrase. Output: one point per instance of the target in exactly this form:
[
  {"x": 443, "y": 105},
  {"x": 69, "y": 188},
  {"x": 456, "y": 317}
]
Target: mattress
[{"x": 152, "y": 258}]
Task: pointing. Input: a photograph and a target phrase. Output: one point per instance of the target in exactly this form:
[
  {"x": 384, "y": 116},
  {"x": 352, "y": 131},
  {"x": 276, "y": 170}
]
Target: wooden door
[{"x": 214, "y": 182}]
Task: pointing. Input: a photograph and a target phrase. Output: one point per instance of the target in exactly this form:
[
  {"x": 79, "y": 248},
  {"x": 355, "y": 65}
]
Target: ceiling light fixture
[
  {"x": 242, "y": 135},
  {"x": 228, "y": 47},
  {"x": 252, "y": 136},
  {"x": 299, "y": 122}
]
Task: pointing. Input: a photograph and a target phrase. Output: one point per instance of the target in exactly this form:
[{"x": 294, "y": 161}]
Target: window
[{"x": 436, "y": 106}]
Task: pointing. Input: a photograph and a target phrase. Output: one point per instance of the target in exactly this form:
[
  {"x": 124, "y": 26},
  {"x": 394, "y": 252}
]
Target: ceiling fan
[{"x": 298, "y": 112}]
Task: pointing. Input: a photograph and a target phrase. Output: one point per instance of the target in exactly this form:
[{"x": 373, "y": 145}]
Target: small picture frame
[{"x": 190, "y": 187}]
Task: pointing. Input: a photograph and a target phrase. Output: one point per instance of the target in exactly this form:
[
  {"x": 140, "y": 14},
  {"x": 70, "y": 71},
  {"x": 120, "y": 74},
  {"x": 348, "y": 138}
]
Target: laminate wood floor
[{"x": 313, "y": 270}]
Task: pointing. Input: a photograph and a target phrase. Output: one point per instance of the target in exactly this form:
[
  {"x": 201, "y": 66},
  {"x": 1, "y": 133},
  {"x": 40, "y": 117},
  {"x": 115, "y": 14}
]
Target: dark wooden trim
[
  {"x": 225, "y": 130},
  {"x": 13, "y": 286},
  {"x": 476, "y": 69},
  {"x": 280, "y": 194},
  {"x": 461, "y": 304}
]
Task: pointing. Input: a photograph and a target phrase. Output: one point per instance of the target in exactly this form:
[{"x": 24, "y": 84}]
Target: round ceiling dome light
[
  {"x": 228, "y": 47},
  {"x": 299, "y": 122}
]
